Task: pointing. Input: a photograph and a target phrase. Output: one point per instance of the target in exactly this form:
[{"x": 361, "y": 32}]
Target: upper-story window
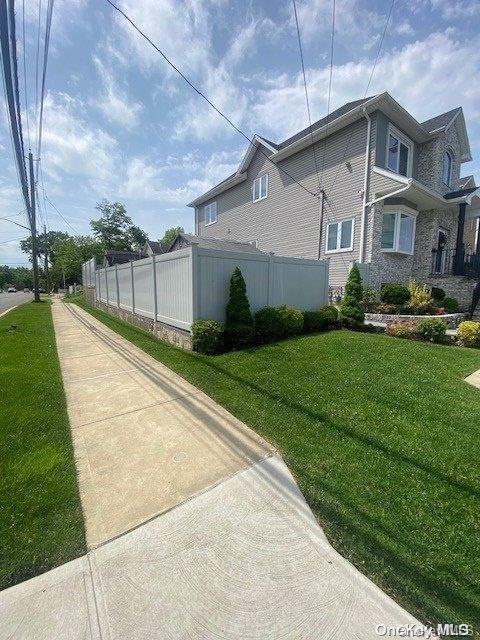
[
  {"x": 339, "y": 236},
  {"x": 447, "y": 167},
  {"x": 399, "y": 153},
  {"x": 210, "y": 211},
  {"x": 260, "y": 187}
]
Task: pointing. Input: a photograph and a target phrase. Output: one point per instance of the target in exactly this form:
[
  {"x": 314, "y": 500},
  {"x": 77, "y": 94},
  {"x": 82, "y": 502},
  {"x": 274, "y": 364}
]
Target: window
[
  {"x": 447, "y": 168},
  {"x": 399, "y": 153},
  {"x": 260, "y": 187},
  {"x": 210, "y": 211},
  {"x": 398, "y": 232},
  {"x": 340, "y": 236}
]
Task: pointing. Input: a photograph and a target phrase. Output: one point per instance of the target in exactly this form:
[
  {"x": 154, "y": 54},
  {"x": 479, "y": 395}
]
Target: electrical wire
[
  {"x": 60, "y": 213},
  {"x": 44, "y": 74},
  {"x": 24, "y": 46},
  {"x": 332, "y": 40},
  {"x": 36, "y": 64},
  {"x": 202, "y": 95}
]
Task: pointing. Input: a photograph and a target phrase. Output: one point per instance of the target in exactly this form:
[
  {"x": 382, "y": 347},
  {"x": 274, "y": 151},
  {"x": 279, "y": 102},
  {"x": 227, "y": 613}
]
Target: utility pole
[
  {"x": 47, "y": 274},
  {"x": 33, "y": 229}
]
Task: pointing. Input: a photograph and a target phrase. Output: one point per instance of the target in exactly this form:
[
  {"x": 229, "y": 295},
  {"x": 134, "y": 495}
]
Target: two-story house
[{"x": 369, "y": 184}]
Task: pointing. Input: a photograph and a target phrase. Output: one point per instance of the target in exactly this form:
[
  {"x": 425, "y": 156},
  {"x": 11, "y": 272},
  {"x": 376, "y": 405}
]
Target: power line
[
  {"x": 332, "y": 40},
  {"x": 59, "y": 213},
  {"x": 44, "y": 74},
  {"x": 24, "y": 46},
  {"x": 36, "y": 63},
  {"x": 306, "y": 94},
  {"x": 366, "y": 90},
  {"x": 202, "y": 95}
]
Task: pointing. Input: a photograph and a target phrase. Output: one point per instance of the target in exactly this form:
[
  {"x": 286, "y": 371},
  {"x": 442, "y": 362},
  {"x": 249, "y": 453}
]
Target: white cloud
[
  {"x": 404, "y": 28},
  {"x": 74, "y": 147},
  {"x": 452, "y": 10},
  {"x": 114, "y": 102}
]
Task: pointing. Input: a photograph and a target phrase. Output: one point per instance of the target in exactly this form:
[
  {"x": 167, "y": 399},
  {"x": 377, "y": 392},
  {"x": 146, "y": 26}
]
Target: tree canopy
[{"x": 170, "y": 235}]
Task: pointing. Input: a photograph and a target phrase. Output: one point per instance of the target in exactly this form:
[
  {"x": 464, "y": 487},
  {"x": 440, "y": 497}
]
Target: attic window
[
  {"x": 447, "y": 168},
  {"x": 260, "y": 187}
]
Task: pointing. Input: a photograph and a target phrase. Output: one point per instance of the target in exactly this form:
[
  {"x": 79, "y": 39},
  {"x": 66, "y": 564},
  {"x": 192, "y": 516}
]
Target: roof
[
  {"x": 466, "y": 180},
  {"x": 156, "y": 247},
  {"x": 113, "y": 256},
  {"x": 217, "y": 243},
  {"x": 337, "y": 120},
  {"x": 324, "y": 121},
  {"x": 437, "y": 122},
  {"x": 459, "y": 193}
]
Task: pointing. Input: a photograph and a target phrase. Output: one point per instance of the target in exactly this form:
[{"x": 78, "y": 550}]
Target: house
[
  {"x": 367, "y": 184},
  {"x": 187, "y": 239},
  {"x": 112, "y": 257},
  {"x": 152, "y": 248}
]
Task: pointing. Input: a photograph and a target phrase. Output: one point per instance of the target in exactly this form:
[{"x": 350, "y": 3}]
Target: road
[{"x": 8, "y": 300}]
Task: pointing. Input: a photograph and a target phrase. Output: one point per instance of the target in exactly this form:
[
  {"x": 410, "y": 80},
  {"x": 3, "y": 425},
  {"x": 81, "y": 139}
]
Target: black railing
[{"x": 446, "y": 262}]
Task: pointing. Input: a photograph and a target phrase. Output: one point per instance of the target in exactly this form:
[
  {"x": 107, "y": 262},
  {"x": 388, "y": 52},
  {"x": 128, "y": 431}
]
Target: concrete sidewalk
[{"x": 236, "y": 552}]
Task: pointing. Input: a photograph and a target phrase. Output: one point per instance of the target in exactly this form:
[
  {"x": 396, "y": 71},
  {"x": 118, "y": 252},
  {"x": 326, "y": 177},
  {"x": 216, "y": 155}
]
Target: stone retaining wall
[
  {"x": 173, "y": 335},
  {"x": 452, "y": 320}
]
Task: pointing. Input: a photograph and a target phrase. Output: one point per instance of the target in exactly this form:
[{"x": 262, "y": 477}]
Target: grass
[
  {"x": 382, "y": 435},
  {"x": 41, "y": 522}
]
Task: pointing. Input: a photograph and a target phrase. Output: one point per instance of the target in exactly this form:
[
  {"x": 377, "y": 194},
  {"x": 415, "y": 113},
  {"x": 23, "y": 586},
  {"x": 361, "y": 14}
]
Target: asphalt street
[{"x": 8, "y": 300}]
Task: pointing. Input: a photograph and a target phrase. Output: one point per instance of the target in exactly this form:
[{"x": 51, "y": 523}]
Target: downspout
[
  {"x": 391, "y": 193},
  {"x": 365, "y": 186},
  {"x": 320, "y": 223}
]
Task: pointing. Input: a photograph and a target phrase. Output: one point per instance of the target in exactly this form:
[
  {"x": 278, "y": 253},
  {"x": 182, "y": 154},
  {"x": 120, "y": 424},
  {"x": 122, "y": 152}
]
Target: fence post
[
  {"x": 327, "y": 283},
  {"x": 106, "y": 283},
  {"x": 195, "y": 280},
  {"x": 117, "y": 286},
  {"x": 133, "y": 287},
  {"x": 155, "y": 302},
  {"x": 271, "y": 267}
]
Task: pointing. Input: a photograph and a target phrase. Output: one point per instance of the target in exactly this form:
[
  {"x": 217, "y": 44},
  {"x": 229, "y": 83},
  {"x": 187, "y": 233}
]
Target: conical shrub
[
  {"x": 351, "y": 312},
  {"x": 238, "y": 317}
]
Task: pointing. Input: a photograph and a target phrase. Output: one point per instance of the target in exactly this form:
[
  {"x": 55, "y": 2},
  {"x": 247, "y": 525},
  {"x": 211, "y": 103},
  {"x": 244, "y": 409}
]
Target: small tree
[
  {"x": 351, "y": 312},
  {"x": 238, "y": 317}
]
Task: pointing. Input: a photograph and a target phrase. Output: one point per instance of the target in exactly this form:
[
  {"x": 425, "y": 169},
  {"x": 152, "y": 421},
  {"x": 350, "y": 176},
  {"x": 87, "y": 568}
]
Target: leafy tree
[
  {"x": 112, "y": 227},
  {"x": 351, "y": 312},
  {"x": 45, "y": 243},
  {"x": 170, "y": 235},
  {"x": 238, "y": 317},
  {"x": 18, "y": 277},
  {"x": 137, "y": 238},
  {"x": 68, "y": 263}
]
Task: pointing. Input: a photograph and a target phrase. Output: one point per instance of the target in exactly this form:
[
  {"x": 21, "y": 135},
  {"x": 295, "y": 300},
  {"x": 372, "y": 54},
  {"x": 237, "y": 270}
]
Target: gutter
[
  {"x": 365, "y": 186},
  {"x": 392, "y": 193}
]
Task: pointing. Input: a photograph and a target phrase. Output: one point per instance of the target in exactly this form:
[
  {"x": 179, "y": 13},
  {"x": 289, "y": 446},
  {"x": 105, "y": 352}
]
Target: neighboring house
[
  {"x": 187, "y": 239},
  {"x": 376, "y": 186},
  {"x": 152, "y": 248},
  {"x": 112, "y": 257}
]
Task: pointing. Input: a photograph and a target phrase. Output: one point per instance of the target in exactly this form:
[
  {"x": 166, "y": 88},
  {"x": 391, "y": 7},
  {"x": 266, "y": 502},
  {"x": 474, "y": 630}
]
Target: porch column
[{"x": 460, "y": 247}]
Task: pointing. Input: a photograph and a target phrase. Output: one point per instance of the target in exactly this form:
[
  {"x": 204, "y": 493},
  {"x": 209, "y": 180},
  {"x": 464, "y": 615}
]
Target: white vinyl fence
[
  {"x": 88, "y": 273},
  {"x": 179, "y": 287}
]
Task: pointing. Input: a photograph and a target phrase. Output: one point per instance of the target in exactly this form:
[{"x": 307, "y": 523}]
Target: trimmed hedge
[
  {"x": 207, "y": 336},
  {"x": 438, "y": 294},
  {"x": 451, "y": 305},
  {"x": 276, "y": 323},
  {"x": 468, "y": 334},
  {"x": 431, "y": 330},
  {"x": 394, "y": 293}
]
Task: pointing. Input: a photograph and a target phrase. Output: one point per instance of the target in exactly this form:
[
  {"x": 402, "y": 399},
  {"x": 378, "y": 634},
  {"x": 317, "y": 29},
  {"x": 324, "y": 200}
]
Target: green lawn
[
  {"x": 41, "y": 522},
  {"x": 382, "y": 435}
]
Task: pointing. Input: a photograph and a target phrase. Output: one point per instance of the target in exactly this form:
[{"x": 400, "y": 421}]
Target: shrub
[
  {"x": 468, "y": 334},
  {"x": 351, "y": 312},
  {"x": 291, "y": 321},
  {"x": 394, "y": 293},
  {"x": 451, "y": 305},
  {"x": 369, "y": 300},
  {"x": 421, "y": 300},
  {"x": 268, "y": 325},
  {"x": 431, "y": 329},
  {"x": 320, "y": 320},
  {"x": 437, "y": 294},
  {"x": 385, "y": 308},
  {"x": 238, "y": 318},
  {"x": 207, "y": 336},
  {"x": 401, "y": 329}
]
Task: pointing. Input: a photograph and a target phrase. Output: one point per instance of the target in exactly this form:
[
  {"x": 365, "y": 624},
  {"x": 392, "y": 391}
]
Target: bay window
[
  {"x": 399, "y": 153},
  {"x": 339, "y": 236},
  {"x": 398, "y": 231}
]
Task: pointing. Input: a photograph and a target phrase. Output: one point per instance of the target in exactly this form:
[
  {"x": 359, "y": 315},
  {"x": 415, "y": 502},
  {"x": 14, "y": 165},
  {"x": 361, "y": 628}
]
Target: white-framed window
[
  {"x": 210, "y": 212},
  {"x": 398, "y": 230},
  {"x": 447, "y": 167},
  {"x": 260, "y": 188},
  {"x": 339, "y": 236},
  {"x": 399, "y": 152}
]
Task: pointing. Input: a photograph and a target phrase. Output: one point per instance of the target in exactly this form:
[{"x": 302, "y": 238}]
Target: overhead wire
[
  {"x": 44, "y": 75},
  {"x": 24, "y": 47},
  {"x": 202, "y": 95}
]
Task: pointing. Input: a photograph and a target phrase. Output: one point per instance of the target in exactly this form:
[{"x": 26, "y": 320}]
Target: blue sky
[{"x": 119, "y": 124}]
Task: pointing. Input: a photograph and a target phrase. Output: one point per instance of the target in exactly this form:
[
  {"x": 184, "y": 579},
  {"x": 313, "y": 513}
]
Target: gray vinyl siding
[{"x": 287, "y": 221}]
